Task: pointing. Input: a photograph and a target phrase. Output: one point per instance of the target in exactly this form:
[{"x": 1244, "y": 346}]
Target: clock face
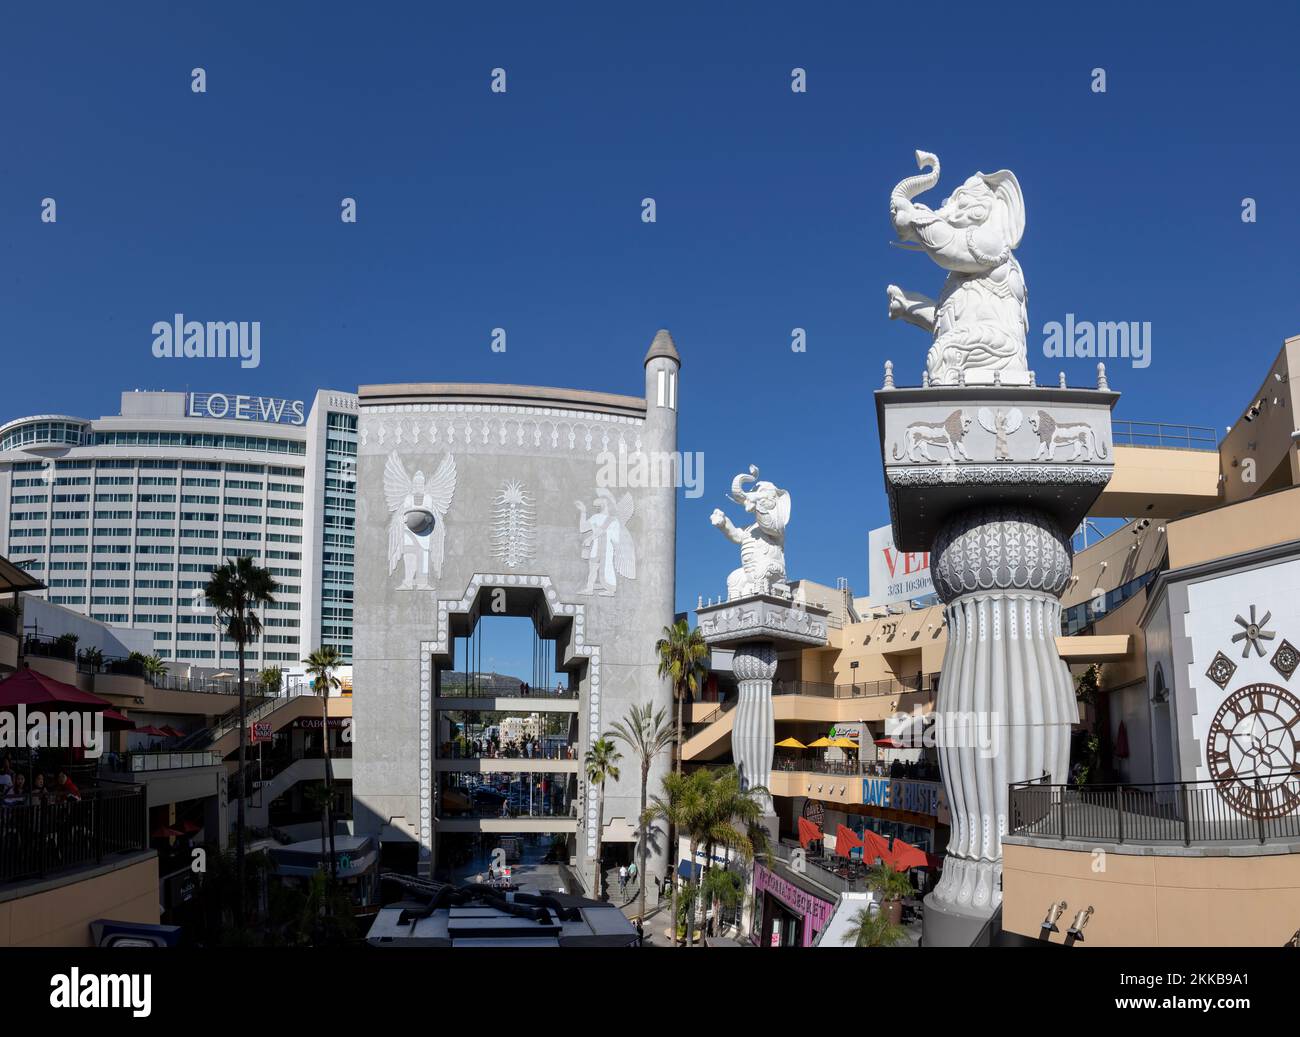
[{"x": 1253, "y": 750}]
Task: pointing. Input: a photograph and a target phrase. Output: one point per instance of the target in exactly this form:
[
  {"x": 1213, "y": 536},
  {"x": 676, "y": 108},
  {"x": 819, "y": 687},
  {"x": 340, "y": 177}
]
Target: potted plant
[{"x": 891, "y": 886}]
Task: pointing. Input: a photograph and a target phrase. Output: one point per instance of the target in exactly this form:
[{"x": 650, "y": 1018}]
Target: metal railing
[
  {"x": 37, "y": 839},
  {"x": 137, "y": 762},
  {"x": 513, "y": 689},
  {"x": 1184, "y": 812},
  {"x": 928, "y": 682},
  {"x": 566, "y": 751},
  {"x": 848, "y": 768},
  {"x": 88, "y": 662},
  {"x": 47, "y": 647},
  {"x": 1161, "y": 434}
]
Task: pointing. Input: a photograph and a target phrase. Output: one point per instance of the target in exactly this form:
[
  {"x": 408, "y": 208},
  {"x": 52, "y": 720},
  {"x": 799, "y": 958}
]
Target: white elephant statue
[
  {"x": 762, "y": 544},
  {"x": 980, "y": 321}
]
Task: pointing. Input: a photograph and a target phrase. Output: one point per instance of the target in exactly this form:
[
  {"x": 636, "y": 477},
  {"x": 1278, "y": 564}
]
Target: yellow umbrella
[
  {"x": 821, "y": 743},
  {"x": 790, "y": 743},
  {"x": 844, "y": 743}
]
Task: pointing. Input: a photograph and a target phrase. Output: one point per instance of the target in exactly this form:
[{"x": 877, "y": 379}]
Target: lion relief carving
[
  {"x": 1077, "y": 435},
  {"x": 949, "y": 435}
]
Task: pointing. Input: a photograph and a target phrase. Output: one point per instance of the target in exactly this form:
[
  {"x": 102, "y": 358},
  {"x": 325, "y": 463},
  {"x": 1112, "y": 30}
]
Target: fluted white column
[
  {"x": 753, "y": 731},
  {"x": 1006, "y": 702}
]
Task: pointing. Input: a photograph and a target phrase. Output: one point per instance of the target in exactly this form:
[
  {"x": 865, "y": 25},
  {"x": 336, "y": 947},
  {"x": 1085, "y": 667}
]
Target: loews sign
[{"x": 246, "y": 408}]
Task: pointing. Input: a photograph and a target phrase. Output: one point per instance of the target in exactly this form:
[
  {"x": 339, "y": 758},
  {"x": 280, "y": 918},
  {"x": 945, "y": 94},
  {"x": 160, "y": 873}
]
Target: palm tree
[
  {"x": 321, "y": 665},
  {"x": 721, "y": 887},
  {"x": 891, "y": 885},
  {"x": 154, "y": 667},
  {"x": 682, "y": 797},
  {"x": 728, "y": 815},
  {"x": 601, "y": 763},
  {"x": 236, "y": 590},
  {"x": 271, "y": 679},
  {"x": 317, "y": 797},
  {"x": 682, "y": 652},
  {"x": 869, "y": 928},
  {"x": 647, "y": 733}
]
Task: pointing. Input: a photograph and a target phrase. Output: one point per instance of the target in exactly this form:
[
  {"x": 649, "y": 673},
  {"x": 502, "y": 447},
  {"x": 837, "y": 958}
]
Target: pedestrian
[
  {"x": 631, "y": 872},
  {"x": 622, "y": 878},
  {"x": 67, "y": 788}
]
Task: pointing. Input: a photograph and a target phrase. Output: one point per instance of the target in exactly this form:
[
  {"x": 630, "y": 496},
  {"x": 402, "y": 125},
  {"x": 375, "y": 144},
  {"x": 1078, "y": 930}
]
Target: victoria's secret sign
[{"x": 815, "y": 911}]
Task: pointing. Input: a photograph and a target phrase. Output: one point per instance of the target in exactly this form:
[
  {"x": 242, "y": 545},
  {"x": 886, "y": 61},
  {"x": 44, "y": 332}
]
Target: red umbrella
[
  {"x": 808, "y": 832},
  {"x": 33, "y": 689},
  {"x": 875, "y": 845},
  {"x": 1121, "y": 742},
  {"x": 115, "y": 720},
  {"x": 907, "y": 856},
  {"x": 165, "y": 832},
  {"x": 152, "y": 731},
  {"x": 845, "y": 841},
  {"x": 171, "y": 732}
]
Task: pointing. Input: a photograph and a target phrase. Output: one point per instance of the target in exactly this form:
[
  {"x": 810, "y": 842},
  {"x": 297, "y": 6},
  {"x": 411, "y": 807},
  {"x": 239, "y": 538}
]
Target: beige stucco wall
[
  {"x": 1272, "y": 518},
  {"x": 1266, "y": 439},
  {"x": 1154, "y": 901},
  {"x": 1159, "y": 482},
  {"x": 58, "y": 914}
]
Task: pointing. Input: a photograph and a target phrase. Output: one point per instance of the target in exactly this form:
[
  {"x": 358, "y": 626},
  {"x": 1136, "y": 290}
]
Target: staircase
[{"x": 257, "y": 704}]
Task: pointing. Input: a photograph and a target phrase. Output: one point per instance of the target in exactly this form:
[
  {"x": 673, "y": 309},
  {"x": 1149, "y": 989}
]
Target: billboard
[{"x": 896, "y": 575}]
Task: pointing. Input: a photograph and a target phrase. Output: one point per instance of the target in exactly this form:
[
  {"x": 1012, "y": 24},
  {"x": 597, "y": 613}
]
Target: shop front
[{"x": 785, "y": 913}]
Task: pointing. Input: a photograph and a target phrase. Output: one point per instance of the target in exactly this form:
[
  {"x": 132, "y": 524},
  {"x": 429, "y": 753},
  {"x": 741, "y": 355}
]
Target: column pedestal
[{"x": 992, "y": 480}]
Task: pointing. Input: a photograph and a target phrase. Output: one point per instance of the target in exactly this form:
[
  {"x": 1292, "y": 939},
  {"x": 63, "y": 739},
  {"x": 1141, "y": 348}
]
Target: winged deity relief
[
  {"x": 607, "y": 541},
  {"x": 416, "y": 536}
]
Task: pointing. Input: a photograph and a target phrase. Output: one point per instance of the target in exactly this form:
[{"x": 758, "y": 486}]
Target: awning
[
  {"x": 35, "y": 690},
  {"x": 808, "y": 833},
  {"x": 686, "y": 870},
  {"x": 790, "y": 743},
  {"x": 13, "y": 579}
]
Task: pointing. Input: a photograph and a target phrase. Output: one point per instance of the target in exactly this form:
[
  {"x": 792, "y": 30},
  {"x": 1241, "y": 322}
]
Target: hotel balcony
[{"x": 1160, "y": 865}]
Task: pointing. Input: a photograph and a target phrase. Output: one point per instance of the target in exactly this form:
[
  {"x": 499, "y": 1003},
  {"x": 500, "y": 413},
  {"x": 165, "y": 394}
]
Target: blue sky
[{"x": 478, "y": 210}]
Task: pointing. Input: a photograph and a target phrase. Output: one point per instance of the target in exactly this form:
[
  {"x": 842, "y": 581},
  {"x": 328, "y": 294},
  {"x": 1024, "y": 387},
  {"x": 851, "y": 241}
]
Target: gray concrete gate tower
[{"x": 473, "y": 500}]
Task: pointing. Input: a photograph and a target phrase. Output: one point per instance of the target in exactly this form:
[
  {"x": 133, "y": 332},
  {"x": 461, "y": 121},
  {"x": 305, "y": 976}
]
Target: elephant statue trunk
[
  {"x": 738, "y": 493},
  {"x": 900, "y": 199}
]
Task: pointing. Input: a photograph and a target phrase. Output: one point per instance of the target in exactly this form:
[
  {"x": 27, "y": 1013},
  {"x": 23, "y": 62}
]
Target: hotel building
[{"x": 123, "y": 517}]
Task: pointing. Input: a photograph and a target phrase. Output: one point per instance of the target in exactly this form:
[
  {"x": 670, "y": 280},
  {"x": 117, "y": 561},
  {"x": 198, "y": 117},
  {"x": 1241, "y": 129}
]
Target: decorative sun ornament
[{"x": 1253, "y": 633}]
